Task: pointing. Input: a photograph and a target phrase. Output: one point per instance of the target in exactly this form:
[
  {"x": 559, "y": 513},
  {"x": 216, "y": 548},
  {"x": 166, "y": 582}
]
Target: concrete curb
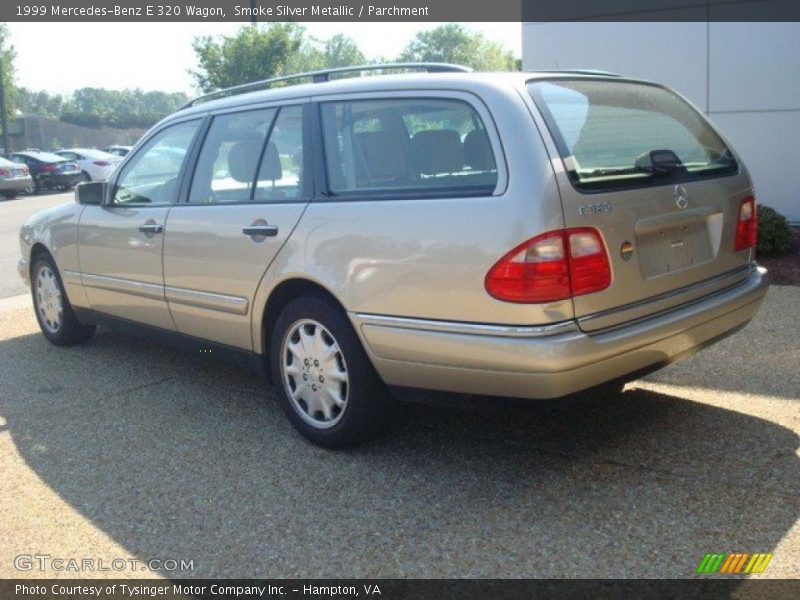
[{"x": 15, "y": 302}]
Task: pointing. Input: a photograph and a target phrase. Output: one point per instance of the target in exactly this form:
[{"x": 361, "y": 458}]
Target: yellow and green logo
[{"x": 733, "y": 563}]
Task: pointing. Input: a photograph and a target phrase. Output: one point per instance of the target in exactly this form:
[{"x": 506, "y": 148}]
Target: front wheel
[
  {"x": 325, "y": 382},
  {"x": 9, "y": 195},
  {"x": 53, "y": 310}
]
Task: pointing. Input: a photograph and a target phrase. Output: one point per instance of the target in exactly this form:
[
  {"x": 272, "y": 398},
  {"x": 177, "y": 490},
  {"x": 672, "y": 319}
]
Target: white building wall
[{"x": 744, "y": 76}]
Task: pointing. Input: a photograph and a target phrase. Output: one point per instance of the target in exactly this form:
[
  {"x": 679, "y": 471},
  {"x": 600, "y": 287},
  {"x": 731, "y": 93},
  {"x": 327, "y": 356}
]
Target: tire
[
  {"x": 53, "y": 311},
  {"x": 364, "y": 408},
  {"x": 9, "y": 195}
]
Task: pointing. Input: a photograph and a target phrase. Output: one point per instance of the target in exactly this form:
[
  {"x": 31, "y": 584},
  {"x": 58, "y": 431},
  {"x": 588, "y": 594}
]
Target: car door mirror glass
[{"x": 90, "y": 193}]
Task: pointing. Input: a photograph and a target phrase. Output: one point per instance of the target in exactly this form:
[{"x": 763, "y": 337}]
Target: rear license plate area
[{"x": 679, "y": 246}]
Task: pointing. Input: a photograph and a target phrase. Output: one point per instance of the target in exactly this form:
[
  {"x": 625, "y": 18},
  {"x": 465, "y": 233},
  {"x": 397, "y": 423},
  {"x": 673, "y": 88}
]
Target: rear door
[
  {"x": 250, "y": 186},
  {"x": 646, "y": 169}
]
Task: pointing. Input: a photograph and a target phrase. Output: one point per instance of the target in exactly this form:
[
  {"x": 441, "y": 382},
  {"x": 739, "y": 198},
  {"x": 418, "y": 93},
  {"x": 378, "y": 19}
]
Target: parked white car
[
  {"x": 95, "y": 165},
  {"x": 118, "y": 150}
]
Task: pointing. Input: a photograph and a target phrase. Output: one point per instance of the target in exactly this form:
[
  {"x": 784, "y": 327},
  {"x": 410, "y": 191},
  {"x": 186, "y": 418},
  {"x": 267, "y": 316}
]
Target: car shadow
[{"x": 179, "y": 456}]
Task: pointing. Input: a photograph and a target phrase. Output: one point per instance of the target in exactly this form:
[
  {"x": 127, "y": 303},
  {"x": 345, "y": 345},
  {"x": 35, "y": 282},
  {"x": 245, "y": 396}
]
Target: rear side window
[
  {"x": 227, "y": 163},
  {"x": 407, "y": 146},
  {"x": 239, "y": 164},
  {"x": 280, "y": 175},
  {"x": 619, "y": 134}
]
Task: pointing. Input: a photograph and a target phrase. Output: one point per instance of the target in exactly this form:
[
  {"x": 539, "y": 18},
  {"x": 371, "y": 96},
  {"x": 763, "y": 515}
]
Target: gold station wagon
[{"x": 510, "y": 234}]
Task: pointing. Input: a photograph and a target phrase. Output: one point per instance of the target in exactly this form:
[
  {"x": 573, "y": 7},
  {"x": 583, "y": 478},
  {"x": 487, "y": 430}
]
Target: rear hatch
[{"x": 648, "y": 171}]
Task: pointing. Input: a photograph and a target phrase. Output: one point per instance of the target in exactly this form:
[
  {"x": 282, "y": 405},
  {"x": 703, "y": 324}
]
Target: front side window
[
  {"x": 407, "y": 145},
  {"x": 623, "y": 134},
  {"x": 151, "y": 175}
]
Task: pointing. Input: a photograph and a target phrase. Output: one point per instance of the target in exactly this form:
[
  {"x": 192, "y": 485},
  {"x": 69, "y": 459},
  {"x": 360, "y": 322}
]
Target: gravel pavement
[{"x": 126, "y": 449}]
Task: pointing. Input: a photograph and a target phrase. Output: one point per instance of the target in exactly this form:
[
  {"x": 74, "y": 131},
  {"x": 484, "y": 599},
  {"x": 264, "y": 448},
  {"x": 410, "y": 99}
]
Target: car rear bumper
[
  {"x": 549, "y": 362},
  {"x": 56, "y": 180},
  {"x": 101, "y": 173},
  {"x": 17, "y": 184}
]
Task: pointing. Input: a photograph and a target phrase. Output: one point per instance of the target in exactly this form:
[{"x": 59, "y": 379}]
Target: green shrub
[{"x": 774, "y": 237}]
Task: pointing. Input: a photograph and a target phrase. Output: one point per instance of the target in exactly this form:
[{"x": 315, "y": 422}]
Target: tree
[
  {"x": 342, "y": 51},
  {"x": 251, "y": 54},
  {"x": 39, "y": 103},
  {"x": 7, "y": 56},
  {"x": 258, "y": 52},
  {"x": 123, "y": 109},
  {"x": 454, "y": 43},
  {"x": 314, "y": 55}
]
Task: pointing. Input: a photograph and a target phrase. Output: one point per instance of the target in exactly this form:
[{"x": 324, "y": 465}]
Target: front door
[
  {"x": 121, "y": 241},
  {"x": 249, "y": 190}
]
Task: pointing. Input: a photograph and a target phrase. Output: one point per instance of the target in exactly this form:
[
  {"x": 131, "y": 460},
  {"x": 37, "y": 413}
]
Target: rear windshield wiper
[
  {"x": 614, "y": 171},
  {"x": 655, "y": 162}
]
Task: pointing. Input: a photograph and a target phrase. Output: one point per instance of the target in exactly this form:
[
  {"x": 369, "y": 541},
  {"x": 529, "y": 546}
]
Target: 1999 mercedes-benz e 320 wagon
[{"x": 520, "y": 234}]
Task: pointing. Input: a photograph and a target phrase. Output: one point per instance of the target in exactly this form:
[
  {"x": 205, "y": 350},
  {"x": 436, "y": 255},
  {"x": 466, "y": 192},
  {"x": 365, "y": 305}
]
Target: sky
[{"x": 61, "y": 57}]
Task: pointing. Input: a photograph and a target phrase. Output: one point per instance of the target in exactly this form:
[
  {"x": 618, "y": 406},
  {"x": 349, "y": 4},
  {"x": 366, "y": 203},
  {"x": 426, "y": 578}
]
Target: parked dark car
[{"x": 49, "y": 171}]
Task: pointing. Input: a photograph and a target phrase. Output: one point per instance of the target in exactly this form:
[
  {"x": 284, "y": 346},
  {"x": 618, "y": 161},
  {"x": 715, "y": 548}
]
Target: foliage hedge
[{"x": 774, "y": 237}]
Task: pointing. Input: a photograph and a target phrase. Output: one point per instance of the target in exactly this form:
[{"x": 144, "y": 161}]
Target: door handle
[
  {"x": 151, "y": 228},
  {"x": 262, "y": 230}
]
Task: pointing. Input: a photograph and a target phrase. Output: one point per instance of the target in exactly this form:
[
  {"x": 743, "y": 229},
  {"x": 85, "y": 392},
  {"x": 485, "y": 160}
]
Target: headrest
[
  {"x": 383, "y": 153},
  {"x": 271, "y": 169},
  {"x": 242, "y": 159},
  {"x": 478, "y": 151},
  {"x": 437, "y": 151}
]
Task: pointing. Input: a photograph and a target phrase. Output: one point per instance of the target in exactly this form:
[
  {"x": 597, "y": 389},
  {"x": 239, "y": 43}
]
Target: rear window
[
  {"x": 617, "y": 134},
  {"x": 407, "y": 146}
]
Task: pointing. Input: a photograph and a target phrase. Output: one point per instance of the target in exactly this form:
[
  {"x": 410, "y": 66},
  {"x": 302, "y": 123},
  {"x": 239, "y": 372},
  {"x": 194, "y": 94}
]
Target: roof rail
[{"x": 325, "y": 75}]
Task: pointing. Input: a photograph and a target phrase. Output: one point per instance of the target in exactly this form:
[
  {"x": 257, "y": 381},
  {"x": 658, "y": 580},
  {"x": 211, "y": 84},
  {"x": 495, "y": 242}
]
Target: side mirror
[{"x": 90, "y": 193}]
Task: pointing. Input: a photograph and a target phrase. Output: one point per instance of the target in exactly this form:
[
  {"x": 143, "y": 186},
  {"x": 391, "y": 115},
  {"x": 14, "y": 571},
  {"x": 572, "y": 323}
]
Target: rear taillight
[
  {"x": 746, "y": 225},
  {"x": 552, "y": 266},
  {"x": 102, "y": 163},
  {"x": 589, "y": 268},
  {"x": 4, "y": 172},
  {"x": 49, "y": 168}
]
